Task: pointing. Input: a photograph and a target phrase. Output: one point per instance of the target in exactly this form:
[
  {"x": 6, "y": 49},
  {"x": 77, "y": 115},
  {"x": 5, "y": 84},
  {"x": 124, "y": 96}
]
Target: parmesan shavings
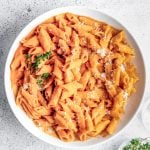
[
  {"x": 70, "y": 120},
  {"x": 122, "y": 67},
  {"x": 25, "y": 86},
  {"x": 125, "y": 95},
  {"x": 109, "y": 83},
  {"x": 103, "y": 75},
  {"x": 102, "y": 52},
  {"x": 91, "y": 94}
]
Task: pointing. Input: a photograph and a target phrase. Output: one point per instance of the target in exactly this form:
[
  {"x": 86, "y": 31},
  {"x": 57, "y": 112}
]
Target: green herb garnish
[
  {"x": 137, "y": 144},
  {"x": 39, "y": 82},
  {"x": 41, "y": 57},
  {"x": 35, "y": 65},
  {"x": 135, "y": 141},
  {"x": 45, "y": 75},
  {"x": 27, "y": 56},
  {"x": 28, "y": 59},
  {"x": 42, "y": 78}
]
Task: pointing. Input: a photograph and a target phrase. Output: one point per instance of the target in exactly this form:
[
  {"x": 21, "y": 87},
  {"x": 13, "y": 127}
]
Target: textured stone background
[{"x": 15, "y": 14}]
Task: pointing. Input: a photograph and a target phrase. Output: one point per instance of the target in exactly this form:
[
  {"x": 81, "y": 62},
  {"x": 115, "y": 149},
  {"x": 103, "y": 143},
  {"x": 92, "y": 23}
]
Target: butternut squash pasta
[{"x": 73, "y": 75}]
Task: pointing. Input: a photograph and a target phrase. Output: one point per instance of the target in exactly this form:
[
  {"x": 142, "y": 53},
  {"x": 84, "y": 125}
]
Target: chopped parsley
[
  {"x": 28, "y": 59},
  {"x": 27, "y": 56},
  {"x": 41, "y": 57},
  {"x": 42, "y": 78},
  {"x": 40, "y": 82},
  {"x": 45, "y": 75},
  {"x": 137, "y": 144}
]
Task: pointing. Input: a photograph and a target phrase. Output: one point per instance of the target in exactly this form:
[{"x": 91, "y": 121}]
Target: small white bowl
[{"x": 132, "y": 106}]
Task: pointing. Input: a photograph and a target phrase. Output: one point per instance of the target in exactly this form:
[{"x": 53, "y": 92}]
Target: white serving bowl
[{"x": 132, "y": 106}]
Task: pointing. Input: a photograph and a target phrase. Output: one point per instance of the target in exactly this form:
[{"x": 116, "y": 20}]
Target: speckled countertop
[{"x": 15, "y": 14}]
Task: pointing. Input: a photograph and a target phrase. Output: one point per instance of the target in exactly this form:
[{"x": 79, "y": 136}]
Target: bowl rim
[{"x": 7, "y": 65}]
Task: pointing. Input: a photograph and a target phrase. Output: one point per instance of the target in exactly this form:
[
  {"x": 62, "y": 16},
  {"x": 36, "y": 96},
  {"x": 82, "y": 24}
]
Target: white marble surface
[{"x": 15, "y": 14}]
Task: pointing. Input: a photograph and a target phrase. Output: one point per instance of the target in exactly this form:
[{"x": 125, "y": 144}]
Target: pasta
[{"x": 73, "y": 75}]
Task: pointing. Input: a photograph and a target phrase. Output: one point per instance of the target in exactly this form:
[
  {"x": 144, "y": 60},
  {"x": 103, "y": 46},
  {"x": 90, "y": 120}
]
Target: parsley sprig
[
  {"x": 39, "y": 58},
  {"x": 45, "y": 75},
  {"x": 27, "y": 56},
  {"x": 28, "y": 59},
  {"x": 40, "y": 82},
  {"x": 136, "y": 144},
  {"x": 42, "y": 78}
]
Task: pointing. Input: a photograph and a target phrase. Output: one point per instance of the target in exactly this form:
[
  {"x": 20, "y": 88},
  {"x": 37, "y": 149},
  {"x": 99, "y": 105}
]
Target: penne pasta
[
  {"x": 32, "y": 42},
  {"x": 55, "y": 96},
  {"x": 45, "y": 40},
  {"x": 73, "y": 75}
]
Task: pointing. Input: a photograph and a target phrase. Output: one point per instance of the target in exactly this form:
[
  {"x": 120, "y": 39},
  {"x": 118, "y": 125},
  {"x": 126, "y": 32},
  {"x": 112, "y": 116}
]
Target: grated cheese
[
  {"x": 91, "y": 94},
  {"x": 103, "y": 75},
  {"x": 122, "y": 67},
  {"x": 102, "y": 52},
  {"x": 108, "y": 83},
  {"x": 125, "y": 95},
  {"x": 25, "y": 86},
  {"x": 70, "y": 120}
]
